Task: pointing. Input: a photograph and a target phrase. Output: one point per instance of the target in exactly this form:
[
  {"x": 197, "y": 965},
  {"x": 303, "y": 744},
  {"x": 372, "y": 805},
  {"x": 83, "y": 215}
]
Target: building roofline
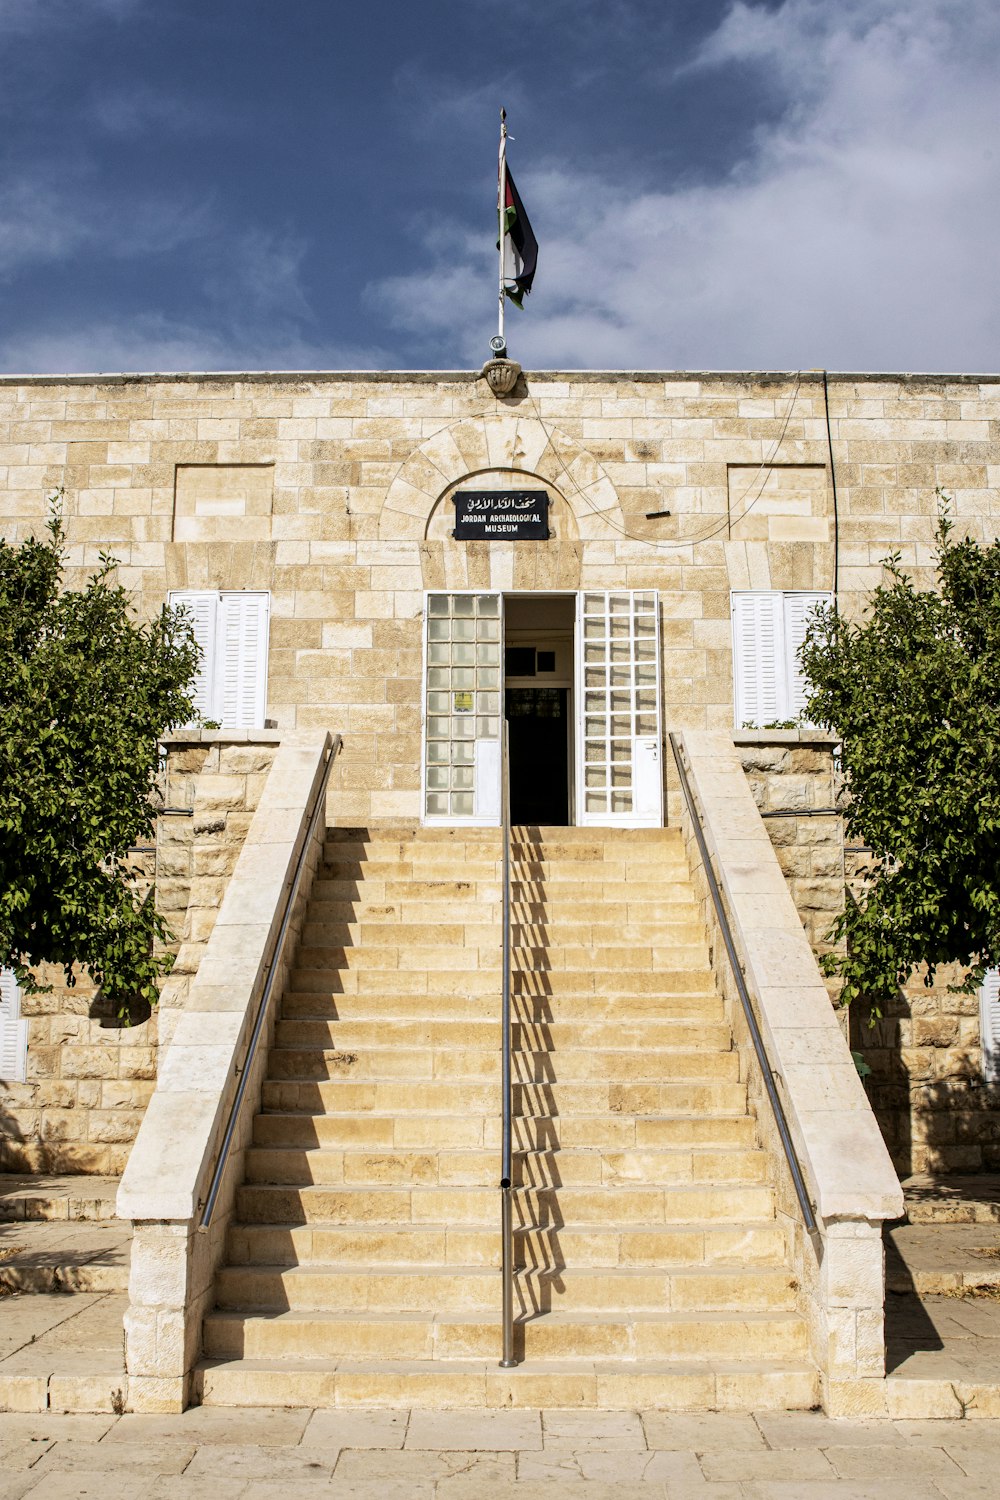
[{"x": 468, "y": 377}]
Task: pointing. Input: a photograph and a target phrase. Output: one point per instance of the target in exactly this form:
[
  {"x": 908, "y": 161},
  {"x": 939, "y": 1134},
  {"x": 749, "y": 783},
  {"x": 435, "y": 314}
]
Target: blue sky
[{"x": 238, "y": 184}]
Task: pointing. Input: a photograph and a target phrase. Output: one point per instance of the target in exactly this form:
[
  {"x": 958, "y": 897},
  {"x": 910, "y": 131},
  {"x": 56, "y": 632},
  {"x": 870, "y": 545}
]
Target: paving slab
[
  {"x": 705, "y": 1432},
  {"x": 604, "y": 1431},
  {"x": 277, "y": 1453},
  {"x": 354, "y": 1429},
  {"x": 811, "y": 1429},
  {"x": 257, "y": 1427},
  {"x": 62, "y": 1352},
  {"x": 472, "y": 1431}
]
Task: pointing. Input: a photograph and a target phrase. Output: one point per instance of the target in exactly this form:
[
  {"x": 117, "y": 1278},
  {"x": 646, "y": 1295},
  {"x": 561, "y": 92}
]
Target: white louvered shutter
[
  {"x": 798, "y": 611},
  {"x": 757, "y": 657},
  {"x": 13, "y": 1031},
  {"x": 989, "y": 1024},
  {"x": 242, "y": 658},
  {"x": 203, "y": 610}
]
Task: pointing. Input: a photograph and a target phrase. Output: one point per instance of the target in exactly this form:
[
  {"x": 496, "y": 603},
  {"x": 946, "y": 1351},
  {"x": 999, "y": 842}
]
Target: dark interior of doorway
[{"x": 538, "y": 729}]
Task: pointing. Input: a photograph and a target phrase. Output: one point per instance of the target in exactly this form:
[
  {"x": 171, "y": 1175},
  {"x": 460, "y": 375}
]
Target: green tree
[
  {"x": 913, "y": 692},
  {"x": 86, "y": 690}
]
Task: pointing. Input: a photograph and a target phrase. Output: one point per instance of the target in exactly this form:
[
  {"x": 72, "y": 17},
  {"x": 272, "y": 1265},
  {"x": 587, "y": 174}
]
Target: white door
[
  {"x": 463, "y": 701},
  {"x": 619, "y": 775}
]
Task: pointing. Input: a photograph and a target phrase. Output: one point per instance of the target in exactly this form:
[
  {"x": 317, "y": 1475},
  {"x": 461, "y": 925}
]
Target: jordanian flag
[{"x": 520, "y": 248}]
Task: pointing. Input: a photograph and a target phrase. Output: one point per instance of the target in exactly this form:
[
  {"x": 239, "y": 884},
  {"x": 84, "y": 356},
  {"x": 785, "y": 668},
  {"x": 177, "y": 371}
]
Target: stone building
[{"x": 404, "y": 559}]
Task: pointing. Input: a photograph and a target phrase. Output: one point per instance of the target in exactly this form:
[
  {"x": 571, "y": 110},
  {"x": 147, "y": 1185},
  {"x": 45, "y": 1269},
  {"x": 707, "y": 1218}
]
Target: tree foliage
[
  {"x": 86, "y": 691},
  {"x": 913, "y": 692}
]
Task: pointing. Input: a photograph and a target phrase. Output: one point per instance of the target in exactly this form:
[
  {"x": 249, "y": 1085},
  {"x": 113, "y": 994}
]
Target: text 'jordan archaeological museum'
[{"x": 621, "y": 566}]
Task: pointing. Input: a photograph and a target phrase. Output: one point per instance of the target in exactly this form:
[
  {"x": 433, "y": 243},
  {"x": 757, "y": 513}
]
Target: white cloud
[
  {"x": 132, "y": 109},
  {"x": 152, "y": 342},
  {"x": 24, "y": 17},
  {"x": 49, "y": 215},
  {"x": 858, "y": 231}
]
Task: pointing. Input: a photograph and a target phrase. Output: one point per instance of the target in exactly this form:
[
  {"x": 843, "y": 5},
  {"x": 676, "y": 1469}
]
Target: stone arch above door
[{"x": 476, "y": 445}]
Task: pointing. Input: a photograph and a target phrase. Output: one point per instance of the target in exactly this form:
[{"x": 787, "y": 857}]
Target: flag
[{"x": 520, "y": 248}]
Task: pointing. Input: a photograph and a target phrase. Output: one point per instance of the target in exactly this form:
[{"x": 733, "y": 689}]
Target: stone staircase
[{"x": 363, "y": 1266}]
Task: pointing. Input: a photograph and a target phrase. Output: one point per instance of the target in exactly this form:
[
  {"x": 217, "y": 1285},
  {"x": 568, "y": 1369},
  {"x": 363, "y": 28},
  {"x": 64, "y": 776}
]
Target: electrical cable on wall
[
  {"x": 833, "y": 482},
  {"x": 760, "y": 475}
]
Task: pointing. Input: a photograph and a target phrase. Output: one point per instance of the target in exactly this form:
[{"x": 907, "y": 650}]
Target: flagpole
[{"x": 502, "y": 210}]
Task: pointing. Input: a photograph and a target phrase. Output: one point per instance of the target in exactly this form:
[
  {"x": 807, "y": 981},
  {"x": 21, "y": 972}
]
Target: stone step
[
  {"x": 606, "y": 919},
  {"x": 447, "y": 1132},
  {"x": 466, "y": 981},
  {"x": 353, "y": 1096},
  {"x": 325, "y": 1004},
  {"x": 41, "y": 1256},
  {"x": 528, "y": 832},
  {"x": 952, "y": 1200},
  {"x": 653, "y": 864},
  {"x": 943, "y": 1258},
  {"x": 692, "y": 1385},
  {"x": 403, "y": 1289},
  {"x": 444, "y": 1336},
  {"x": 552, "y": 957},
  {"x": 540, "y": 1206},
  {"x": 383, "y": 1063},
  {"x": 557, "y": 896},
  {"x": 44, "y": 1196},
  {"x": 290, "y": 1165},
  {"x": 711, "y": 1244},
  {"x": 325, "y": 928},
  {"x": 564, "y": 845},
  {"x": 560, "y": 1036}
]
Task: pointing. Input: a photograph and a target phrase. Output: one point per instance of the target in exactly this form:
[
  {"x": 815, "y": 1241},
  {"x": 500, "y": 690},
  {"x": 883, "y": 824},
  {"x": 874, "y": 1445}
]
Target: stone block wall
[
  {"x": 792, "y": 775},
  {"x": 90, "y": 1074},
  {"x": 936, "y": 1111}
]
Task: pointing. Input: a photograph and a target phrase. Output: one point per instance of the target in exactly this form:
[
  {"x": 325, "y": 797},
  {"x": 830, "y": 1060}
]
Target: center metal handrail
[
  {"x": 788, "y": 1145},
  {"x": 506, "y": 1157},
  {"x": 273, "y": 966}
]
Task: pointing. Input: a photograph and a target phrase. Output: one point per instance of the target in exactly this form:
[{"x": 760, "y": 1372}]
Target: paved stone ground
[{"x": 269, "y": 1454}]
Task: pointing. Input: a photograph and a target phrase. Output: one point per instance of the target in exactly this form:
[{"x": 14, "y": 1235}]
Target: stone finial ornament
[{"x": 501, "y": 375}]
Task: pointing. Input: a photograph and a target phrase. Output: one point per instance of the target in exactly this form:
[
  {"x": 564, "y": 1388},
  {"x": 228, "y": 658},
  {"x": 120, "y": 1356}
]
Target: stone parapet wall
[
  {"x": 847, "y": 1176},
  {"x": 212, "y": 783},
  {"x": 91, "y": 1074}
]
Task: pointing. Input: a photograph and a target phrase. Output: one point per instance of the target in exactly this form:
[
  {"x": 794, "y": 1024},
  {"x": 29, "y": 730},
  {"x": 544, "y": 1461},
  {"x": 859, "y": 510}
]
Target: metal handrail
[
  {"x": 507, "y": 1361},
  {"x": 272, "y": 969},
  {"x": 767, "y": 1073}
]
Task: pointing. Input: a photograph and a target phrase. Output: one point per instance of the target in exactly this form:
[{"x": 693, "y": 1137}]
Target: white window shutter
[
  {"x": 989, "y": 1024},
  {"x": 757, "y": 657},
  {"x": 13, "y": 1031},
  {"x": 202, "y": 609},
  {"x": 242, "y": 656},
  {"x": 798, "y": 612}
]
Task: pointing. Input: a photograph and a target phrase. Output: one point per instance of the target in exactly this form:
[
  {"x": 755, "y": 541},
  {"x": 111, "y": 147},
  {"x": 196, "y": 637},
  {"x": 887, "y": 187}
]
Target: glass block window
[
  {"x": 620, "y": 694},
  {"x": 462, "y": 704}
]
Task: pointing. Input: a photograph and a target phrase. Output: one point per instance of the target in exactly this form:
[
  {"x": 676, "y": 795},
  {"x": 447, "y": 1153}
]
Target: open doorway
[{"x": 538, "y": 704}]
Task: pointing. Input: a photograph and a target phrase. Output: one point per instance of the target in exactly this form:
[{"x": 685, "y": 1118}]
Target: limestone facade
[{"x": 332, "y": 494}]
